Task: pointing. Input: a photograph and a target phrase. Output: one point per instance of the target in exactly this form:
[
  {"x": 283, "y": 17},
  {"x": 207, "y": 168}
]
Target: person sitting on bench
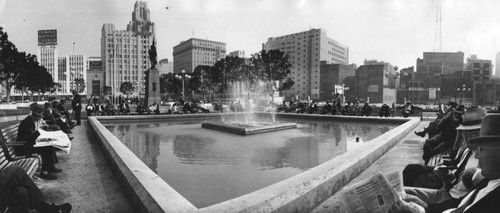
[
  {"x": 19, "y": 193},
  {"x": 28, "y": 132}
]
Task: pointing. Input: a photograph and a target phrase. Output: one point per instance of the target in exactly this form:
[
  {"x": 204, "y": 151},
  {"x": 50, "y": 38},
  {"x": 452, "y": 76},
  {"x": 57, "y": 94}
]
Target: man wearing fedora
[
  {"x": 444, "y": 140},
  {"x": 485, "y": 197},
  {"x": 28, "y": 132},
  {"x": 432, "y": 129}
]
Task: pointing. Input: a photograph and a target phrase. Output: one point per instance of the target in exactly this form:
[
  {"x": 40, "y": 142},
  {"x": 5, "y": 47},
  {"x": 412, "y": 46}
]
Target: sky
[{"x": 394, "y": 31}]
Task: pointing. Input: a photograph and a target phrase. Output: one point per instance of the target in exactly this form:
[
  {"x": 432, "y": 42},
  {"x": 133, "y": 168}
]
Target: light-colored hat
[
  {"x": 472, "y": 119},
  {"x": 490, "y": 130}
]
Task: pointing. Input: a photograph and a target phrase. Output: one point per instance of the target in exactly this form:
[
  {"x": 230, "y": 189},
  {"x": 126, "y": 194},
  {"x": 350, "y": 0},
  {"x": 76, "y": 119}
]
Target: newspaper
[
  {"x": 375, "y": 194},
  {"x": 57, "y": 139}
]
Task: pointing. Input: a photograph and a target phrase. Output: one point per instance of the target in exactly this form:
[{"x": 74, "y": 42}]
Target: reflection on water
[{"x": 209, "y": 167}]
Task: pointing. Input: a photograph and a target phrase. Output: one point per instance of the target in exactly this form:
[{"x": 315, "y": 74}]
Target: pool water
[{"x": 208, "y": 166}]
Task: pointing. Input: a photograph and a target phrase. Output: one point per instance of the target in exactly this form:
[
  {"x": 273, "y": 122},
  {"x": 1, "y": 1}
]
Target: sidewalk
[
  {"x": 86, "y": 181},
  {"x": 406, "y": 151}
]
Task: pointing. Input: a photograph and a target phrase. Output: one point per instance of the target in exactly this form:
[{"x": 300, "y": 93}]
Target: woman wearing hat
[{"x": 28, "y": 132}]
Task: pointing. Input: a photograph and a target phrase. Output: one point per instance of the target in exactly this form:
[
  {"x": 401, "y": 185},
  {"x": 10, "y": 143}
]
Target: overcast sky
[{"x": 395, "y": 31}]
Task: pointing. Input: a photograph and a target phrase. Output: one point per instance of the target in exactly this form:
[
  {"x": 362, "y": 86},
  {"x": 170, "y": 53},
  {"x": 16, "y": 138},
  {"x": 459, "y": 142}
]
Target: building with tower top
[{"x": 125, "y": 53}]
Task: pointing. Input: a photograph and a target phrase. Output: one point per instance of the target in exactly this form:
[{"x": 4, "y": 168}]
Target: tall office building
[
  {"x": 62, "y": 74},
  {"x": 70, "y": 68},
  {"x": 48, "y": 58},
  {"x": 125, "y": 53},
  {"x": 430, "y": 69},
  {"x": 306, "y": 50},
  {"x": 193, "y": 52},
  {"x": 47, "y": 53},
  {"x": 483, "y": 90}
]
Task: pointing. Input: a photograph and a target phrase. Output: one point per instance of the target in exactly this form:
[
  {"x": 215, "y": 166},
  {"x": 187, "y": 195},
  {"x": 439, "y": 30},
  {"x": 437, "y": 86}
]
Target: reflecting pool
[{"x": 208, "y": 166}]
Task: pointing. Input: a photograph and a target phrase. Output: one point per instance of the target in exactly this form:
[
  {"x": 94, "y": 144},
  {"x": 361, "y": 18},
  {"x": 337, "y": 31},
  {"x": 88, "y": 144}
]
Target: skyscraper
[
  {"x": 70, "y": 68},
  {"x": 47, "y": 54},
  {"x": 193, "y": 52},
  {"x": 306, "y": 50},
  {"x": 124, "y": 53}
]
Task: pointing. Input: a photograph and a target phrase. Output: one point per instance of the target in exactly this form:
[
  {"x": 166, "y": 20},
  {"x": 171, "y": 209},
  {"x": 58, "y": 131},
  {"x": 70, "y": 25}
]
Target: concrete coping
[{"x": 301, "y": 193}]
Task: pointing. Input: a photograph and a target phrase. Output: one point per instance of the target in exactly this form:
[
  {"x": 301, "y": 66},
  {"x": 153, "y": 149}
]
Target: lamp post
[
  {"x": 463, "y": 89},
  {"x": 344, "y": 88},
  {"x": 182, "y": 77},
  {"x": 397, "y": 79}
]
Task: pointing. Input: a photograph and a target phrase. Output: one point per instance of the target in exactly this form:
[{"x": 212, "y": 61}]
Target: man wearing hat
[
  {"x": 28, "y": 131},
  {"x": 485, "y": 197},
  {"x": 432, "y": 128},
  {"x": 76, "y": 104},
  {"x": 444, "y": 140}
]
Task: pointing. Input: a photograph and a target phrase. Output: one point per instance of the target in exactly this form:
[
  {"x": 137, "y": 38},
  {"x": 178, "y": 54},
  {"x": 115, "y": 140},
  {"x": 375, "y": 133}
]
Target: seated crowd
[
  {"x": 18, "y": 192},
  {"x": 469, "y": 179}
]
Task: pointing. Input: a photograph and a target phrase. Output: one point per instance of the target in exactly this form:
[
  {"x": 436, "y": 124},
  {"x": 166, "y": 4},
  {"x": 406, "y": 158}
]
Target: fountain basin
[
  {"x": 248, "y": 129},
  {"x": 301, "y": 193}
]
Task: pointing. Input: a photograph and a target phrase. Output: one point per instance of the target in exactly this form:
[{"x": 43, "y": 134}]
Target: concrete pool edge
[{"x": 301, "y": 193}]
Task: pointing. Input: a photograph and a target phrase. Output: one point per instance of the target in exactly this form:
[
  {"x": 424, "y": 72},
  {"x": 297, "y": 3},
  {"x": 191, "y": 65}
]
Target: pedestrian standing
[{"x": 76, "y": 103}]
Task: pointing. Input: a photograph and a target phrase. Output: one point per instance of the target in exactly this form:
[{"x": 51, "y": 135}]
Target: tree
[
  {"x": 107, "y": 90},
  {"x": 226, "y": 72},
  {"x": 40, "y": 81},
  {"x": 12, "y": 63},
  {"x": 271, "y": 66},
  {"x": 32, "y": 77},
  {"x": 79, "y": 85},
  {"x": 200, "y": 79},
  {"x": 170, "y": 85},
  {"x": 127, "y": 88}
]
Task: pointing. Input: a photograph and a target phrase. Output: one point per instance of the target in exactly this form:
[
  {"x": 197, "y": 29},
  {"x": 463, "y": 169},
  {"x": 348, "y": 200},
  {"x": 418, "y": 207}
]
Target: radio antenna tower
[{"x": 438, "y": 42}]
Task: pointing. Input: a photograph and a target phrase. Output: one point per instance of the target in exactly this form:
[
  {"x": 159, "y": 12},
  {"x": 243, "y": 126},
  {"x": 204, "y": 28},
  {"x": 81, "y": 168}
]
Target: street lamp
[
  {"x": 182, "y": 77},
  {"x": 344, "y": 88},
  {"x": 463, "y": 89}
]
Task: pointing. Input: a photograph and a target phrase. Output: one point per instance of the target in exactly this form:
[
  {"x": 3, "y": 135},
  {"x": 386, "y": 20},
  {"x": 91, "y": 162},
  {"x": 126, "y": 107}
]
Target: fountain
[
  {"x": 248, "y": 129},
  {"x": 293, "y": 170},
  {"x": 250, "y": 124}
]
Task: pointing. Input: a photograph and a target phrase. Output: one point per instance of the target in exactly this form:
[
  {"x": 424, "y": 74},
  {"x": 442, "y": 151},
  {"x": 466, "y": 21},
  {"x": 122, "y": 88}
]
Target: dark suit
[
  {"x": 489, "y": 203},
  {"x": 18, "y": 191},
  {"x": 76, "y": 104},
  {"x": 26, "y": 132}
]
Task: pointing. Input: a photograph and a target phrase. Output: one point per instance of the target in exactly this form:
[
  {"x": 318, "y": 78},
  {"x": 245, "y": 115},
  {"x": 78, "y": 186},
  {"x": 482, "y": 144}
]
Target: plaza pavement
[{"x": 88, "y": 183}]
